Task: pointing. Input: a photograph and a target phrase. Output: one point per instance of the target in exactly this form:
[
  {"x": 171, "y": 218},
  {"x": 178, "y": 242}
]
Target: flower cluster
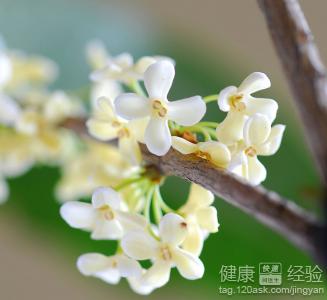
[{"x": 126, "y": 105}]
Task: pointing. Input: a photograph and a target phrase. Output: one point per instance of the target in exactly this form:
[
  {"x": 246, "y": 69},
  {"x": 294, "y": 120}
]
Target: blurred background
[{"x": 215, "y": 44}]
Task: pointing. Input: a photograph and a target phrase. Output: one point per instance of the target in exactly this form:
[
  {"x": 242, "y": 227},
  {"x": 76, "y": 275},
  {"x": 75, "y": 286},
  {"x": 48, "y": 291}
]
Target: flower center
[
  {"x": 158, "y": 108},
  {"x": 236, "y": 103},
  {"x": 165, "y": 253},
  {"x": 123, "y": 132},
  {"x": 107, "y": 212},
  {"x": 203, "y": 155},
  {"x": 250, "y": 151}
]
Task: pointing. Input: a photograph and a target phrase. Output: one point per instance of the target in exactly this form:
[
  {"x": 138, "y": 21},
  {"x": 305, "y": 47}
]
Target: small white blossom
[
  {"x": 106, "y": 217},
  {"x": 213, "y": 151},
  {"x": 108, "y": 268},
  {"x": 201, "y": 218},
  {"x": 240, "y": 104},
  {"x": 165, "y": 254},
  {"x": 158, "y": 79},
  {"x": 10, "y": 111},
  {"x": 105, "y": 126},
  {"x": 5, "y": 65},
  {"x": 259, "y": 139}
]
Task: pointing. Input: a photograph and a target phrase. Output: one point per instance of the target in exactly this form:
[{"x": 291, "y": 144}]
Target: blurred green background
[{"x": 215, "y": 44}]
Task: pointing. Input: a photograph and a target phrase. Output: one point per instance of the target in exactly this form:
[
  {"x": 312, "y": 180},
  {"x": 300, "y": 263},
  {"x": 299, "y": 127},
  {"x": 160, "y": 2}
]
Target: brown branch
[
  {"x": 304, "y": 71},
  {"x": 307, "y": 78},
  {"x": 282, "y": 215}
]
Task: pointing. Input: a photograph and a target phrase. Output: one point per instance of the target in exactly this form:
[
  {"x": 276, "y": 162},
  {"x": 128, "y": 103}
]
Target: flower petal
[
  {"x": 273, "y": 142},
  {"x": 187, "y": 112},
  {"x": 267, "y": 107},
  {"x": 107, "y": 230},
  {"x": 194, "y": 239},
  {"x": 129, "y": 148},
  {"x": 157, "y": 136},
  {"x": 128, "y": 267},
  {"x": 137, "y": 128},
  {"x": 230, "y": 130},
  {"x": 131, "y": 221},
  {"x": 172, "y": 229},
  {"x": 101, "y": 130},
  {"x": 219, "y": 152},
  {"x": 91, "y": 263},
  {"x": 183, "y": 146},
  {"x": 131, "y": 106},
  {"x": 78, "y": 214},
  {"x": 158, "y": 274},
  {"x": 188, "y": 265},
  {"x": 106, "y": 196},
  {"x": 4, "y": 191},
  {"x": 207, "y": 219},
  {"x": 223, "y": 97},
  {"x": 138, "y": 286},
  {"x": 9, "y": 110},
  {"x": 256, "y": 81},
  {"x": 256, "y": 130},
  {"x": 139, "y": 245},
  {"x": 158, "y": 79},
  {"x": 256, "y": 171}
]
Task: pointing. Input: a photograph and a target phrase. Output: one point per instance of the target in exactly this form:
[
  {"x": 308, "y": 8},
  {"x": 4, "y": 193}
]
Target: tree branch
[
  {"x": 307, "y": 78},
  {"x": 304, "y": 71}
]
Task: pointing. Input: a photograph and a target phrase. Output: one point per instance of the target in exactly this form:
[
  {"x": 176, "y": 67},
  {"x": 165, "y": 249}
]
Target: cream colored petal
[
  {"x": 256, "y": 130},
  {"x": 157, "y": 136},
  {"x": 107, "y": 230},
  {"x": 183, "y": 146},
  {"x": 256, "y": 81},
  {"x": 139, "y": 245},
  {"x": 199, "y": 196},
  {"x": 267, "y": 107},
  {"x": 137, "y": 128},
  {"x": 5, "y": 67},
  {"x": 207, "y": 219},
  {"x": 124, "y": 60},
  {"x": 129, "y": 148},
  {"x": 131, "y": 221},
  {"x": 158, "y": 79},
  {"x": 101, "y": 130},
  {"x": 187, "y": 112},
  {"x": 194, "y": 239},
  {"x": 131, "y": 106},
  {"x": 219, "y": 152},
  {"x": 271, "y": 146},
  {"x": 4, "y": 191},
  {"x": 172, "y": 229},
  {"x": 230, "y": 130},
  {"x": 96, "y": 54},
  {"x": 223, "y": 97},
  {"x": 128, "y": 267},
  {"x": 188, "y": 265},
  {"x": 256, "y": 171},
  {"x": 9, "y": 110},
  {"x": 143, "y": 63},
  {"x": 158, "y": 274},
  {"x": 78, "y": 214},
  {"x": 106, "y": 196},
  {"x": 138, "y": 286}
]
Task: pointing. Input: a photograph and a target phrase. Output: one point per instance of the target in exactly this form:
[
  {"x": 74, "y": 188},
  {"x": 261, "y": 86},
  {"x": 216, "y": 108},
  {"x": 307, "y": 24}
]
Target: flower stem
[
  {"x": 128, "y": 182},
  {"x": 136, "y": 87},
  {"x": 210, "y": 98}
]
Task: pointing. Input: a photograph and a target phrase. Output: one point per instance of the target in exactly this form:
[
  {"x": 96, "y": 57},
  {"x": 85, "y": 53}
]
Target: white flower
[
  {"x": 9, "y": 110},
  {"x": 214, "y": 151},
  {"x": 105, "y": 126},
  {"x": 239, "y": 104},
  {"x": 108, "y": 268},
  {"x": 106, "y": 217},
  {"x": 138, "y": 285},
  {"x": 165, "y": 253},
  {"x": 259, "y": 139},
  {"x": 200, "y": 216},
  {"x": 158, "y": 79},
  {"x": 5, "y": 65}
]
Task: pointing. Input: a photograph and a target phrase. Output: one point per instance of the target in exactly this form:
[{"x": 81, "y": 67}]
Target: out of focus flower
[
  {"x": 106, "y": 126},
  {"x": 9, "y": 111},
  {"x": 158, "y": 79},
  {"x": 201, "y": 218},
  {"x": 239, "y": 104},
  {"x": 165, "y": 253},
  {"x": 107, "y": 217},
  {"x": 213, "y": 151},
  {"x": 5, "y": 65},
  {"x": 4, "y": 190}
]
